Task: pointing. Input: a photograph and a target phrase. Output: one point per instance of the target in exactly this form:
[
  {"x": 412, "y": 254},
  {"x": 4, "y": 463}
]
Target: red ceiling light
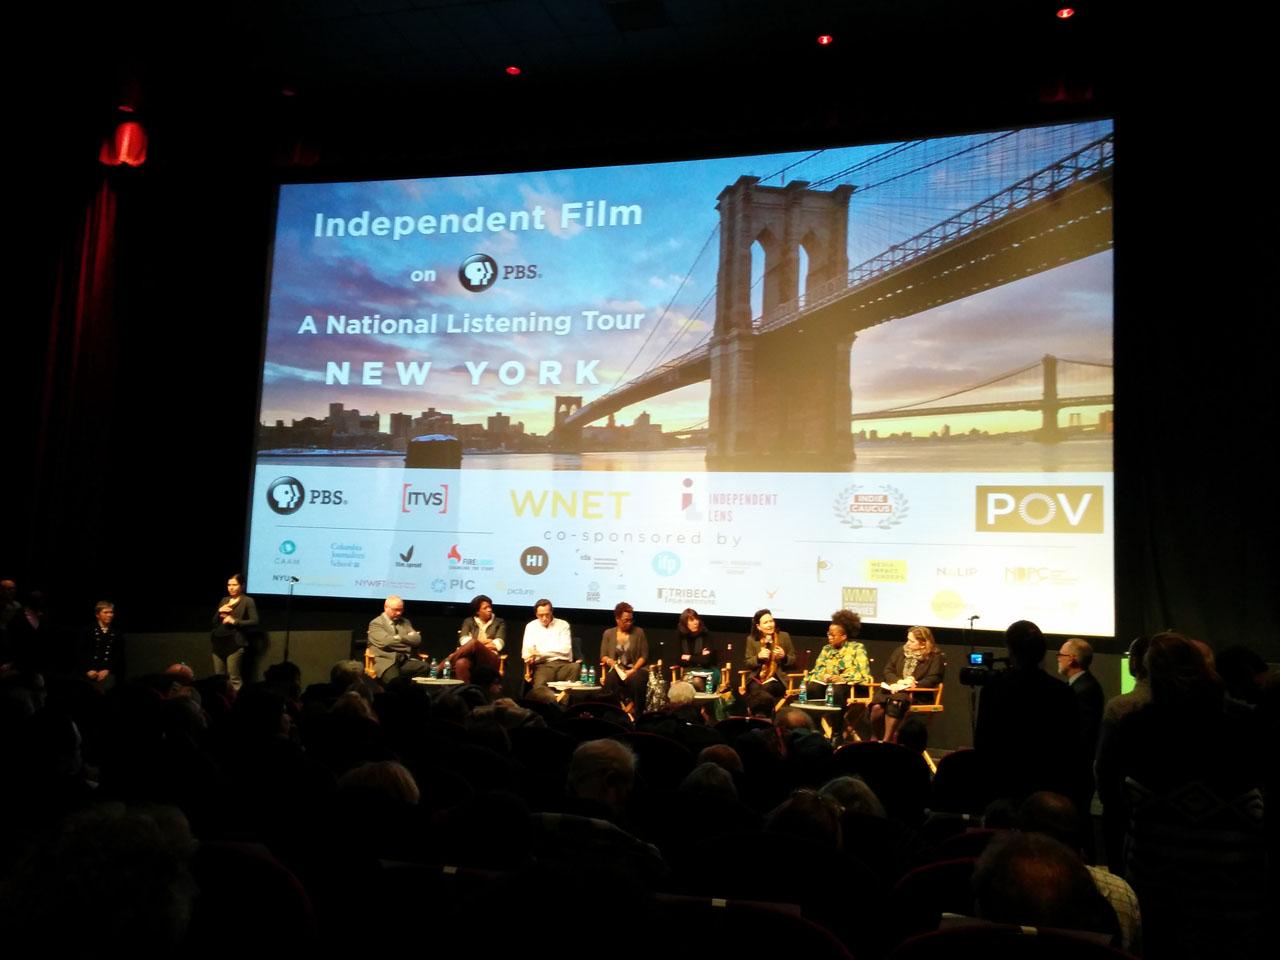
[
  {"x": 513, "y": 71},
  {"x": 1065, "y": 13},
  {"x": 127, "y": 145},
  {"x": 826, "y": 40}
]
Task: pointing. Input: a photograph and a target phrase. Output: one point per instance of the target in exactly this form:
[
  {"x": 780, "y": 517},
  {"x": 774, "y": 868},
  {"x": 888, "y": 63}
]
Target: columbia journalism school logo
[
  {"x": 478, "y": 272},
  {"x": 861, "y": 505},
  {"x": 286, "y": 495}
]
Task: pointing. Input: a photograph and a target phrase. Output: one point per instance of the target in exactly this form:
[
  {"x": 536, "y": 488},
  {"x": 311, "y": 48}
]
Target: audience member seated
[
  {"x": 1035, "y": 881},
  {"x": 1056, "y": 816}
]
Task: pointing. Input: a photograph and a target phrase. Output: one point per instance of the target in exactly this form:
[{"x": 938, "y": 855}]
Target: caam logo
[
  {"x": 1075, "y": 509},
  {"x": 417, "y": 498}
]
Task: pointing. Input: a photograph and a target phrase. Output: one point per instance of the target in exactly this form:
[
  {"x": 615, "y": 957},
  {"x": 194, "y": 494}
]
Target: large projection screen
[{"x": 876, "y": 377}]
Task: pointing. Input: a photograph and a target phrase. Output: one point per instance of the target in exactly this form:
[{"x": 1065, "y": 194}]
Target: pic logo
[
  {"x": 478, "y": 272},
  {"x": 288, "y": 548},
  {"x": 1039, "y": 510},
  {"x": 286, "y": 495},
  {"x": 438, "y": 585},
  {"x": 533, "y": 561},
  {"x": 666, "y": 563}
]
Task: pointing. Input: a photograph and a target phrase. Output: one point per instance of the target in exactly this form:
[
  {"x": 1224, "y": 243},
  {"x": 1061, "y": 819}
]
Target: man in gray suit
[{"x": 394, "y": 643}]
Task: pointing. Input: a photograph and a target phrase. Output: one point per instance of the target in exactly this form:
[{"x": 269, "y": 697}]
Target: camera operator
[{"x": 1027, "y": 719}]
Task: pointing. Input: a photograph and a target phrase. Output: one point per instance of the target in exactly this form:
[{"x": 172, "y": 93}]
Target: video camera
[{"x": 982, "y": 666}]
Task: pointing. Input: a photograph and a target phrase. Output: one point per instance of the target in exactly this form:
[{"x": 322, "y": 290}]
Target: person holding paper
[
  {"x": 624, "y": 651},
  {"x": 917, "y": 663}
]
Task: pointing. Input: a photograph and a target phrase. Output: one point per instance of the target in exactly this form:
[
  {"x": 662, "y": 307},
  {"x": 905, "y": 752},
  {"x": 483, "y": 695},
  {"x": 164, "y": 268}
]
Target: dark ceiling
[{"x": 374, "y": 85}]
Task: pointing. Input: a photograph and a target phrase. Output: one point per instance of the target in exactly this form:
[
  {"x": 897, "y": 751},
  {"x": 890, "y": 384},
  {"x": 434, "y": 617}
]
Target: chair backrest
[
  {"x": 899, "y": 777},
  {"x": 962, "y": 783},
  {"x": 921, "y": 897},
  {"x": 1004, "y": 942},
  {"x": 739, "y": 928},
  {"x": 664, "y": 763}
]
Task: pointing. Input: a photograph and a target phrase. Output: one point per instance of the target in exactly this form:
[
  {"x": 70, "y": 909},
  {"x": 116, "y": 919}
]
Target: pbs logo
[
  {"x": 286, "y": 495},
  {"x": 478, "y": 272}
]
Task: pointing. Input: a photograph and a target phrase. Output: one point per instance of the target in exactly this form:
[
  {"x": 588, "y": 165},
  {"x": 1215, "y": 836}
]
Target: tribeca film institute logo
[
  {"x": 286, "y": 495},
  {"x": 478, "y": 272}
]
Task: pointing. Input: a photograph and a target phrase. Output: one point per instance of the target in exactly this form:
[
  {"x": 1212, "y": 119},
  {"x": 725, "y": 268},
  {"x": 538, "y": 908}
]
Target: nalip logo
[{"x": 286, "y": 495}]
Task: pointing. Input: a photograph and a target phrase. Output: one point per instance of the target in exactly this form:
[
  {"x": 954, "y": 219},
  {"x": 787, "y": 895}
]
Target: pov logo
[
  {"x": 478, "y": 272},
  {"x": 285, "y": 495}
]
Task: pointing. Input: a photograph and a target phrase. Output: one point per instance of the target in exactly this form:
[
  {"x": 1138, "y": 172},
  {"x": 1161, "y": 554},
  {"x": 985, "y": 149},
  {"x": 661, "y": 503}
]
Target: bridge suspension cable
[
  {"x": 1008, "y": 375},
  {"x": 653, "y": 328}
]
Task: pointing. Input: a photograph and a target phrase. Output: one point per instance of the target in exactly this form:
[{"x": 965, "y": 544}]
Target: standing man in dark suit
[
  {"x": 1074, "y": 659},
  {"x": 394, "y": 642},
  {"x": 1027, "y": 727}
]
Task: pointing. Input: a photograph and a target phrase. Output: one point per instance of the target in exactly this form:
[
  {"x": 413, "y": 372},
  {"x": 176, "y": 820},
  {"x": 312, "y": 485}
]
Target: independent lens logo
[
  {"x": 285, "y": 495},
  {"x": 478, "y": 272}
]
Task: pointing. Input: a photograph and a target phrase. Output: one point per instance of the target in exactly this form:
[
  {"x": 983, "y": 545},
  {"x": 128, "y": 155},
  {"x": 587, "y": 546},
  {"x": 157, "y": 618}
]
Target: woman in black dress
[
  {"x": 233, "y": 625},
  {"x": 917, "y": 663}
]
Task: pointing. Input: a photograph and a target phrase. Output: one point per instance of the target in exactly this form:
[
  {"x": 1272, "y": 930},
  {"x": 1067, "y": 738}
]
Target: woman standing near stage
[
  {"x": 767, "y": 654},
  {"x": 233, "y": 626},
  {"x": 917, "y": 663}
]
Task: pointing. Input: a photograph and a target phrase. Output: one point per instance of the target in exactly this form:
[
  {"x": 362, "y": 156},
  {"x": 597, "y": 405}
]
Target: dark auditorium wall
[{"x": 128, "y": 439}]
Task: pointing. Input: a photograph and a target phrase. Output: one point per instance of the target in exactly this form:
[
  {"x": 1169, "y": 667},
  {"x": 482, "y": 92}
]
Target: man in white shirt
[{"x": 548, "y": 647}]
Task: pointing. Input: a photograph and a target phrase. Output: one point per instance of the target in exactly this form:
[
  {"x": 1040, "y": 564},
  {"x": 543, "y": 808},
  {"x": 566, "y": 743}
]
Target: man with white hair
[{"x": 394, "y": 643}]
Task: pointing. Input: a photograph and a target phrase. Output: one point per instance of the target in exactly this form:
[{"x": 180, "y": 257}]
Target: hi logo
[
  {"x": 431, "y": 498},
  {"x": 1039, "y": 510}
]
